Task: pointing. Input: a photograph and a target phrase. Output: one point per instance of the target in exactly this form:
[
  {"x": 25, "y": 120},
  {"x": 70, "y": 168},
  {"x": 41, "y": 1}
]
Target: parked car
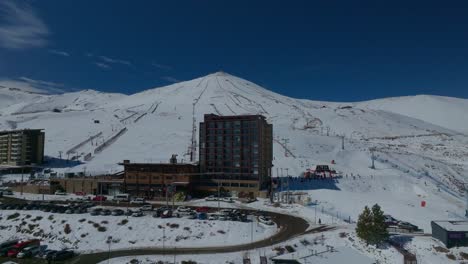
[
  {"x": 80, "y": 193},
  {"x": 138, "y": 201},
  {"x": 183, "y": 209},
  {"x": 13, "y": 252},
  {"x": 128, "y": 213},
  {"x": 212, "y": 217},
  {"x": 96, "y": 211},
  {"x": 47, "y": 253},
  {"x": 60, "y": 193},
  {"x": 29, "y": 252},
  {"x": 106, "y": 212},
  {"x": 117, "y": 212},
  {"x": 99, "y": 198},
  {"x": 227, "y": 200},
  {"x": 166, "y": 214},
  {"x": 123, "y": 197},
  {"x": 7, "y": 245},
  {"x": 138, "y": 214},
  {"x": 159, "y": 211},
  {"x": 146, "y": 207},
  {"x": 62, "y": 255},
  {"x": 202, "y": 209},
  {"x": 211, "y": 198},
  {"x": 265, "y": 220}
]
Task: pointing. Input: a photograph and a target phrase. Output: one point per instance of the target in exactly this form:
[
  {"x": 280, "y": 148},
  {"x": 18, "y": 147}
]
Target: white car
[
  {"x": 213, "y": 217},
  {"x": 183, "y": 209},
  {"x": 211, "y": 198},
  {"x": 228, "y": 200},
  {"x": 60, "y": 193},
  {"x": 265, "y": 220},
  {"x": 138, "y": 201},
  {"x": 146, "y": 207}
]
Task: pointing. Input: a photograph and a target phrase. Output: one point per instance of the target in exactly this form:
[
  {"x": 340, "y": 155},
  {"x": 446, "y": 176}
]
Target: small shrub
[
  {"x": 67, "y": 229},
  {"x": 51, "y": 217},
  {"x": 83, "y": 235},
  {"x": 27, "y": 216},
  {"x": 90, "y": 222},
  {"x": 451, "y": 256},
  {"x": 13, "y": 216},
  {"x": 123, "y": 222},
  {"x": 187, "y": 228},
  {"x": 130, "y": 228},
  {"x": 96, "y": 225},
  {"x": 174, "y": 225},
  {"x": 441, "y": 249},
  {"x": 343, "y": 234},
  {"x": 64, "y": 221},
  {"x": 464, "y": 255},
  {"x": 105, "y": 222},
  {"x": 221, "y": 232},
  {"x": 102, "y": 229},
  {"x": 82, "y": 220}
]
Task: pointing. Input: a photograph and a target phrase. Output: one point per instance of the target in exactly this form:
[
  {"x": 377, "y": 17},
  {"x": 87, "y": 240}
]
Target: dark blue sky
[{"x": 322, "y": 50}]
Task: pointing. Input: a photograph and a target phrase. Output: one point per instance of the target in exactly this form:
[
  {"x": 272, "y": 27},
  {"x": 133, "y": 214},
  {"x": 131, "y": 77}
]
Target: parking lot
[{"x": 128, "y": 210}]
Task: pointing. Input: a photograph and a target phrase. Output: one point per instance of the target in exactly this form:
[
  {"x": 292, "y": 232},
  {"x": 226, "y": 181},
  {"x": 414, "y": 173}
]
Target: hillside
[{"x": 417, "y": 141}]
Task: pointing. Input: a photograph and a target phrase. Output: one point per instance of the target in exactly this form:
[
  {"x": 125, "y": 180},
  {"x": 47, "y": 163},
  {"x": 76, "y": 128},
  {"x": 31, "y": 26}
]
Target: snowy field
[
  {"x": 90, "y": 233},
  {"x": 420, "y": 145}
]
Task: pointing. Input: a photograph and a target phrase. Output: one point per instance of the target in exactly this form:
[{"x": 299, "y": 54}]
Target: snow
[
  {"x": 419, "y": 142},
  {"x": 323, "y": 255},
  {"x": 453, "y": 225},
  {"x": 139, "y": 232}
]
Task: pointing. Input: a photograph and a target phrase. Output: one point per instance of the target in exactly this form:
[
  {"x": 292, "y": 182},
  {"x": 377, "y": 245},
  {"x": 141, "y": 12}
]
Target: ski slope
[{"x": 420, "y": 142}]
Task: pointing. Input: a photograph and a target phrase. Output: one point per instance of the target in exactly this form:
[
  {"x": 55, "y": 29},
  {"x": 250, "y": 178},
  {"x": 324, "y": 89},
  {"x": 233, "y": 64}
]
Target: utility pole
[
  {"x": 60, "y": 154},
  {"x": 285, "y": 142},
  {"x": 22, "y": 175},
  {"x": 219, "y": 197}
]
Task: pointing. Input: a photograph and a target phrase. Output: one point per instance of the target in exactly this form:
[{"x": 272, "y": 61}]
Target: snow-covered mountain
[{"x": 417, "y": 140}]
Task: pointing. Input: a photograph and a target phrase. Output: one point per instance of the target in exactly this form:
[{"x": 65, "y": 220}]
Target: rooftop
[
  {"x": 323, "y": 255},
  {"x": 453, "y": 225}
]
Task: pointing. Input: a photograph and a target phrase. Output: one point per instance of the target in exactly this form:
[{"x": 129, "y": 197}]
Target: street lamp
[{"x": 109, "y": 241}]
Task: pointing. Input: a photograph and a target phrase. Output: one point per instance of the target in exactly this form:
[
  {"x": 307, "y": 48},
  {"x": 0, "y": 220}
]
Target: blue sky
[{"x": 321, "y": 50}]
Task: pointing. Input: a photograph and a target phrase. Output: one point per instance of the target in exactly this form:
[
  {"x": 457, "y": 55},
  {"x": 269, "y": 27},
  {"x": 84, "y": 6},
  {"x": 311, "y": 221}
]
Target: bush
[
  {"x": 67, "y": 229},
  {"x": 51, "y": 217},
  {"x": 105, "y": 222},
  {"x": 221, "y": 232},
  {"x": 64, "y": 221},
  {"x": 464, "y": 255},
  {"x": 96, "y": 225},
  {"x": 174, "y": 225},
  {"x": 102, "y": 229},
  {"x": 82, "y": 220},
  {"x": 123, "y": 222},
  {"x": 84, "y": 235},
  {"x": 13, "y": 216},
  {"x": 451, "y": 256}
]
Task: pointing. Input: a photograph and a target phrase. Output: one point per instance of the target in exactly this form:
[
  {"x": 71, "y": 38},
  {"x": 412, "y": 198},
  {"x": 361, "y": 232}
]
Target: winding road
[{"x": 290, "y": 227}]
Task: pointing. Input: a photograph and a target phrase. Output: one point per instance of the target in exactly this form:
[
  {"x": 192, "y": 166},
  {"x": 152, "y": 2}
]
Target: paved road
[{"x": 290, "y": 226}]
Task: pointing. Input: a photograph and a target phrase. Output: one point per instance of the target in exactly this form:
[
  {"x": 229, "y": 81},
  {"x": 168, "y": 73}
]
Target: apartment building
[
  {"x": 236, "y": 153},
  {"x": 22, "y": 147}
]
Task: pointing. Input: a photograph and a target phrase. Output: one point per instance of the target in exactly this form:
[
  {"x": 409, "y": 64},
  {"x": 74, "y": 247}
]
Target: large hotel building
[
  {"x": 236, "y": 153},
  {"x": 21, "y": 147}
]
